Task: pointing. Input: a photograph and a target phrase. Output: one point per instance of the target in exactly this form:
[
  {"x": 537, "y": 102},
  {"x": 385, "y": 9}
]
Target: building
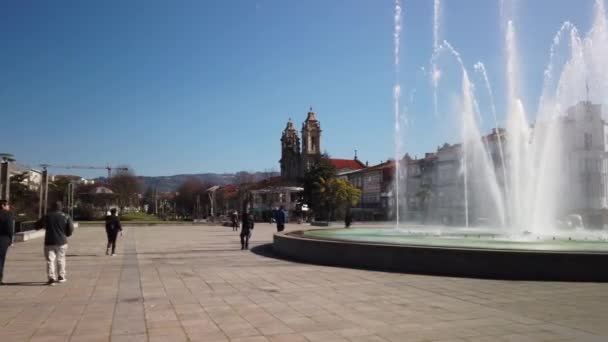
[
  {"x": 422, "y": 189},
  {"x": 311, "y": 141},
  {"x": 375, "y": 183},
  {"x": 274, "y": 197},
  {"x": 32, "y": 179},
  {"x": 575, "y": 146},
  {"x": 585, "y": 138},
  {"x": 268, "y": 195},
  {"x": 296, "y": 160},
  {"x": 347, "y": 165},
  {"x": 291, "y": 157}
]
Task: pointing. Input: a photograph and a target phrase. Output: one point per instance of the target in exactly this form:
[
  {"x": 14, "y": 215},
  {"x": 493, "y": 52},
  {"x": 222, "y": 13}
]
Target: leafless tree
[
  {"x": 244, "y": 177},
  {"x": 187, "y": 195},
  {"x": 126, "y": 186}
]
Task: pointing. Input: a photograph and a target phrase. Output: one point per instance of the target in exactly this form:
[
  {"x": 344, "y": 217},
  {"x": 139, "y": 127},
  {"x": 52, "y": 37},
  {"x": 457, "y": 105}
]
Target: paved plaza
[{"x": 193, "y": 283}]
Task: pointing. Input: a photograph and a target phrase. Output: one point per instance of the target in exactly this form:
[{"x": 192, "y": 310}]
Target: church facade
[
  {"x": 297, "y": 156},
  {"x": 295, "y": 161}
]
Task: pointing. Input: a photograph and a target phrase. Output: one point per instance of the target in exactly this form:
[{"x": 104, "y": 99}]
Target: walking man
[
  {"x": 235, "y": 221},
  {"x": 7, "y": 230},
  {"x": 113, "y": 227},
  {"x": 281, "y": 219},
  {"x": 58, "y": 227},
  {"x": 246, "y": 228}
]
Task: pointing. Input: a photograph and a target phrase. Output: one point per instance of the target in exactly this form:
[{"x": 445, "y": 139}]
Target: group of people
[
  {"x": 59, "y": 226},
  {"x": 247, "y": 224}
]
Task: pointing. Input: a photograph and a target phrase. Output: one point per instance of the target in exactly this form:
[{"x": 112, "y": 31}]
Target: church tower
[
  {"x": 290, "y": 153},
  {"x": 311, "y": 140}
]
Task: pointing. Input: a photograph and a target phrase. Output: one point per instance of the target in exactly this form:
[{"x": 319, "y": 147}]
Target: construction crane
[{"x": 108, "y": 167}]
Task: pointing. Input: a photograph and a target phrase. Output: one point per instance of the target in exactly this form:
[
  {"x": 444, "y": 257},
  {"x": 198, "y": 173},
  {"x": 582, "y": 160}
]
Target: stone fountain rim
[
  {"x": 295, "y": 234},
  {"x": 505, "y": 264}
]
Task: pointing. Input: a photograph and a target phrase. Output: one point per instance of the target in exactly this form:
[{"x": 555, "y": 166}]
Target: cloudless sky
[{"x": 171, "y": 87}]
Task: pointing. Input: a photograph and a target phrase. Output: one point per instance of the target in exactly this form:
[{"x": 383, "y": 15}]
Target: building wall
[
  {"x": 371, "y": 187},
  {"x": 586, "y": 145},
  {"x": 584, "y": 164}
]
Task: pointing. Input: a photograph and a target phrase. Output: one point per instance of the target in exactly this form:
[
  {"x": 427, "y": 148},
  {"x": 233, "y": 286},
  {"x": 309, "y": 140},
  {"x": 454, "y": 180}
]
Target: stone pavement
[{"x": 193, "y": 283}]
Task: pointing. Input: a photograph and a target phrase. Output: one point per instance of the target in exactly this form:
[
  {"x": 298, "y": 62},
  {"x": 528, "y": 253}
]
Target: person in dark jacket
[
  {"x": 58, "y": 227},
  {"x": 246, "y": 228},
  {"x": 348, "y": 219},
  {"x": 281, "y": 218},
  {"x": 113, "y": 227},
  {"x": 7, "y": 230},
  {"x": 234, "y": 217}
]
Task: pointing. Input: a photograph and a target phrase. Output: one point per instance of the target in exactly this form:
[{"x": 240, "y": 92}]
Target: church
[{"x": 295, "y": 161}]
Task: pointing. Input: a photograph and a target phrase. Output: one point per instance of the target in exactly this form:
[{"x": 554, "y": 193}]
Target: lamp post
[
  {"x": 5, "y": 175},
  {"x": 44, "y": 190}
]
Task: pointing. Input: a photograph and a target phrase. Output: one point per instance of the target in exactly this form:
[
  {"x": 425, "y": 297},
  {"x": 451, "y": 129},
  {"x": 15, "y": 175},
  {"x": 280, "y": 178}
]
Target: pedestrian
[
  {"x": 348, "y": 219},
  {"x": 246, "y": 228},
  {"x": 58, "y": 227},
  {"x": 7, "y": 231},
  {"x": 281, "y": 219},
  {"x": 113, "y": 227},
  {"x": 235, "y": 221}
]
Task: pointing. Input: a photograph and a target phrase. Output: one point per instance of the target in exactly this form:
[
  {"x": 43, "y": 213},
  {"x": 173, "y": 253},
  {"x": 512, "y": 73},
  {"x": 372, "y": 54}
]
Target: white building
[
  {"x": 435, "y": 184},
  {"x": 586, "y": 147}
]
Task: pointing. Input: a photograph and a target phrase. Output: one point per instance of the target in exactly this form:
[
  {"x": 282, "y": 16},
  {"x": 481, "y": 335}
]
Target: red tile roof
[
  {"x": 352, "y": 164},
  {"x": 229, "y": 188},
  {"x": 387, "y": 165}
]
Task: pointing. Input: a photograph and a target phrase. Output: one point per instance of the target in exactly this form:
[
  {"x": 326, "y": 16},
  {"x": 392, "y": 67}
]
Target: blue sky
[{"x": 171, "y": 87}]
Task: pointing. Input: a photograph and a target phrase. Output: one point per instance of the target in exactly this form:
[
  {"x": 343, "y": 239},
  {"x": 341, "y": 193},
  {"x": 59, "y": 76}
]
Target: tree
[
  {"x": 187, "y": 194},
  {"x": 244, "y": 177},
  {"x": 336, "y": 195},
  {"x": 58, "y": 188},
  {"x": 323, "y": 168},
  {"x": 150, "y": 200},
  {"x": 268, "y": 173},
  {"x": 24, "y": 201},
  {"x": 90, "y": 204},
  {"x": 126, "y": 187}
]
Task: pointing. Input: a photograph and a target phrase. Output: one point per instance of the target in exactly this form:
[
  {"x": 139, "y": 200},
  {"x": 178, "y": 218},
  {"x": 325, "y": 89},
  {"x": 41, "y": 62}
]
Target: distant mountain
[{"x": 171, "y": 183}]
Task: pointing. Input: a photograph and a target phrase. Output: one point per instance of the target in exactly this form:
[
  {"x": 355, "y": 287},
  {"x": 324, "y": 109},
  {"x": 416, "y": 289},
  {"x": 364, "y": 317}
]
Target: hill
[{"x": 171, "y": 183}]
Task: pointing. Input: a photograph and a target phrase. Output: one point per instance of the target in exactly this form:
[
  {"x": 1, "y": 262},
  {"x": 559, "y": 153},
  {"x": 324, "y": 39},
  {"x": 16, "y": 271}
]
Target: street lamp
[{"x": 6, "y": 159}]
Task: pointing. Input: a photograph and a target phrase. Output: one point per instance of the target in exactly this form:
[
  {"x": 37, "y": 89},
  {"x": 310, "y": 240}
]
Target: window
[{"x": 588, "y": 141}]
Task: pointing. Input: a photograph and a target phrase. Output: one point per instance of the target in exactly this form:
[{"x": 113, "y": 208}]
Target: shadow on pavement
[
  {"x": 267, "y": 251},
  {"x": 26, "y": 283},
  {"x": 188, "y": 251}
]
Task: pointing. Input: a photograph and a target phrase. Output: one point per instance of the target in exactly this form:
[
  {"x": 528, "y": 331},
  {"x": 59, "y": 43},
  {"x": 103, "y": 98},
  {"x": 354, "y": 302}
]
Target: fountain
[{"x": 520, "y": 189}]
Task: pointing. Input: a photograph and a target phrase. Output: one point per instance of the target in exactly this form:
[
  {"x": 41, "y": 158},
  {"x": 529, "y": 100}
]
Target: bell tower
[
  {"x": 311, "y": 140},
  {"x": 290, "y": 153}
]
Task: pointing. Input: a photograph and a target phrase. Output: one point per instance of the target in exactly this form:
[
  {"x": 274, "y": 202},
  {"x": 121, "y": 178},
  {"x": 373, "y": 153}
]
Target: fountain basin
[{"x": 466, "y": 253}]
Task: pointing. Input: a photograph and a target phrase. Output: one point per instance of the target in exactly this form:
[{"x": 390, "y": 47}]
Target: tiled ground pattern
[{"x": 193, "y": 283}]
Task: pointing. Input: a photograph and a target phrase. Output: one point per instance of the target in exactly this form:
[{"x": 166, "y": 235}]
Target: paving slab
[{"x": 193, "y": 283}]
